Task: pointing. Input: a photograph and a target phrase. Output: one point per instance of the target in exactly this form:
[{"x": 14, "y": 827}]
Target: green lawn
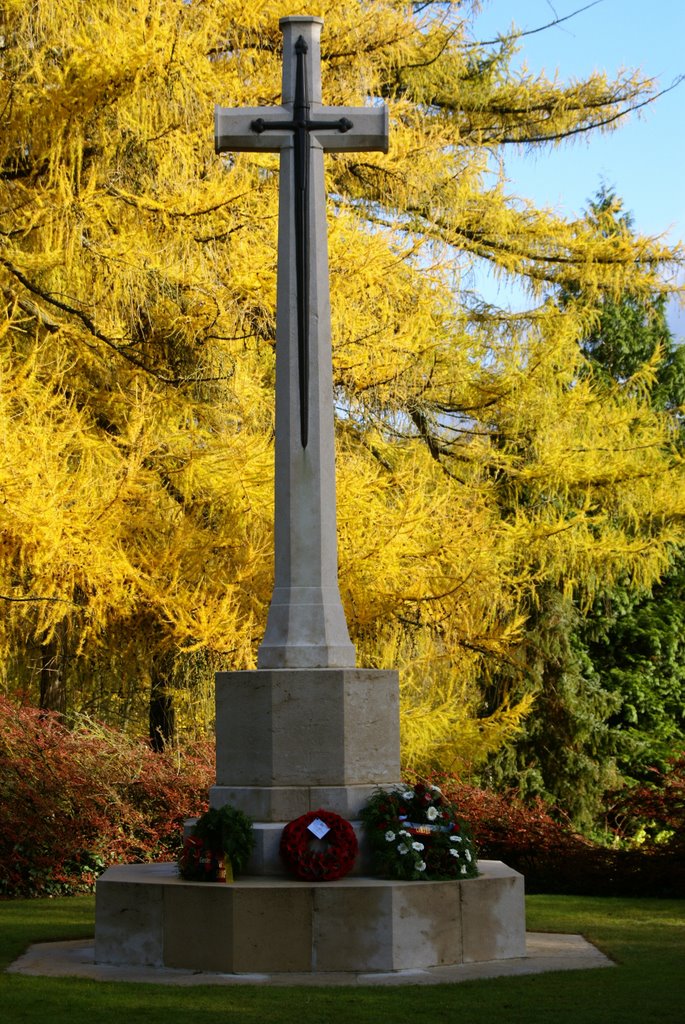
[{"x": 646, "y": 938}]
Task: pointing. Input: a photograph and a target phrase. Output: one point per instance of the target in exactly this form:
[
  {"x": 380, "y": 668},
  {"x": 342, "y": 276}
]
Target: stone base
[
  {"x": 545, "y": 951},
  {"x": 285, "y": 803},
  {"x": 292, "y": 740},
  {"x": 146, "y": 915}
]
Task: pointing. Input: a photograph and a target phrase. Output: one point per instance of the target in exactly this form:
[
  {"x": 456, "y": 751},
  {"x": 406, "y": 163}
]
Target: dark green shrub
[{"x": 223, "y": 830}]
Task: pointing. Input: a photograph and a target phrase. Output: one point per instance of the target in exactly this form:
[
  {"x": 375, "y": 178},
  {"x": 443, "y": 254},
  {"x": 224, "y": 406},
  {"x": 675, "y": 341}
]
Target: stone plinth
[
  {"x": 146, "y": 915},
  {"x": 290, "y": 741}
]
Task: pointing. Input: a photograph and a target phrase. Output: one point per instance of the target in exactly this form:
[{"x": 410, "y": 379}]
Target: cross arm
[
  {"x": 233, "y": 130},
  {"x": 369, "y": 129}
]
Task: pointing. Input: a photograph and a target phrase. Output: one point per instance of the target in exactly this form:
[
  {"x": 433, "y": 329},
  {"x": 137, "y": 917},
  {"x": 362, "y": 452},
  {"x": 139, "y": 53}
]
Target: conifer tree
[
  {"x": 476, "y": 459},
  {"x": 608, "y": 676},
  {"x": 635, "y": 639}
]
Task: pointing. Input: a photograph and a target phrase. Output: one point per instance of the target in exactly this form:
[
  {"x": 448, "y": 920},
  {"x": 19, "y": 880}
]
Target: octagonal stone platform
[{"x": 146, "y": 915}]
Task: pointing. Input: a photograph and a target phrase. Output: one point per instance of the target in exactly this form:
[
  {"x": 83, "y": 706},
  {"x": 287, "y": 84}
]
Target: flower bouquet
[
  {"x": 219, "y": 847},
  {"x": 414, "y": 834}
]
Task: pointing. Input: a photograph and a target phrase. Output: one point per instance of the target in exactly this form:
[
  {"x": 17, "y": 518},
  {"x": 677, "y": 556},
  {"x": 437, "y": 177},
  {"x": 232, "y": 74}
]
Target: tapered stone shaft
[{"x": 306, "y": 626}]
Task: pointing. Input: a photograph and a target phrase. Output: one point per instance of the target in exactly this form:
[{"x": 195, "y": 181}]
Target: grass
[{"x": 646, "y": 939}]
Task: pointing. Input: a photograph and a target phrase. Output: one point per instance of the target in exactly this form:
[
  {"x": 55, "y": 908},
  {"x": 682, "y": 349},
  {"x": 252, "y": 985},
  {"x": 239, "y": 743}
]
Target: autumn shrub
[
  {"x": 652, "y": 813},
  {"x": 554, "y": 858},
  {"x": 73, "y": 801}
]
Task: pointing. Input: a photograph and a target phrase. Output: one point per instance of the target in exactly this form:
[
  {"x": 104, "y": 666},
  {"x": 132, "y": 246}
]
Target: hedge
[
  {"x": 73, "y": 801},
  {"x": 554, "y": 858}
]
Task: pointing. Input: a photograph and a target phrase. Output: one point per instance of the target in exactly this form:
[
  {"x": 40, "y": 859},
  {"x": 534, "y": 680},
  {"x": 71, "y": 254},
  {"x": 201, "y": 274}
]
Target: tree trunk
[
  {"x": 162, "y": 715},
  {"x": 53, "y": 683}
]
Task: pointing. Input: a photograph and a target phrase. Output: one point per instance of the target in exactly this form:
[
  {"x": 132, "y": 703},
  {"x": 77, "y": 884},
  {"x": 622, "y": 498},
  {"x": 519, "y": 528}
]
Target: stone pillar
[{"x": 306, "y": 626}]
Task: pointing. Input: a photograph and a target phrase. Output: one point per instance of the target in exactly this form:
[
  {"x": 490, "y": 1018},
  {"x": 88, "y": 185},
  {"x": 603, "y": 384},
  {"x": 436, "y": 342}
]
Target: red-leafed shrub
[
  {"x": 556, "y": 859},
  {"x": 653, "y": 811},
  {"x": 73, "y": 801}
]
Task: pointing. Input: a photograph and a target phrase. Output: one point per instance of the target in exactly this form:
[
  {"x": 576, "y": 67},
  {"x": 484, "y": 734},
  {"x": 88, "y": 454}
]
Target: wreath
[
  {"x": 414, "y": 833},
  {"x": 219, "y": 846},
  {"x": 319, "y": 847}
]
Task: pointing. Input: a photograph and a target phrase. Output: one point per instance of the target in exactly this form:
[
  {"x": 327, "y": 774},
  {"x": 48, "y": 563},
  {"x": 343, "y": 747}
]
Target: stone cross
[{"x": 306, "y": 627}]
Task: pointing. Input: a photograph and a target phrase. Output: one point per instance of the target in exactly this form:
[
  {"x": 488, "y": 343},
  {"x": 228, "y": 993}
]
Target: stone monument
[{"x": 307, "y": 729}]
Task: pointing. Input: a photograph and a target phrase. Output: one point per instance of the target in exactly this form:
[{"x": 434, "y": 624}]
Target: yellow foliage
[{"x": 477, "y": 458}]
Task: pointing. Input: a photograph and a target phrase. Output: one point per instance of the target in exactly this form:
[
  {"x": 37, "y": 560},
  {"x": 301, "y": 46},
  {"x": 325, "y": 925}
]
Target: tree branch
[
  {"x": 533, "y": 31},
  {"x": 120, "y": 347}
]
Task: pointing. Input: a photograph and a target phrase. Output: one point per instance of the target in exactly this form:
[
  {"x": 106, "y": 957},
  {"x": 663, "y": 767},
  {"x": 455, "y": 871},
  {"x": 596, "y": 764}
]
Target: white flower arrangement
[{"x": 417, "y": 834}]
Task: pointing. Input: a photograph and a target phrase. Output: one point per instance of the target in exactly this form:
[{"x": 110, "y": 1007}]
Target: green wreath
[{"x": 221, "y": 840}]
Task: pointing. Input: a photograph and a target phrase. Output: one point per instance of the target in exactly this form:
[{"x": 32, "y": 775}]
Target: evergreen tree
[
  {"x": 566, "y": 752},
  {"x": 608, "y": 674},
  {"x": 631, "y": 333},
  {"x": 636, "y": 644},
  {"x": 636, "y": 639}
]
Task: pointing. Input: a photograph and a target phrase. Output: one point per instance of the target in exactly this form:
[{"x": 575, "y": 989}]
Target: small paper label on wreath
[
  {"x": 318, "y": 828},
  {"x": 420, "y": 828}
]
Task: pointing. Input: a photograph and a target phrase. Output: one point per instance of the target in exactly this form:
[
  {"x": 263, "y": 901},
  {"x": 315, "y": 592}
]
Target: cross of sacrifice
[{"x": 306, "y": 627}]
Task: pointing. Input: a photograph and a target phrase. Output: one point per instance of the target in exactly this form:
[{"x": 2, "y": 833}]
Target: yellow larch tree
[{"x": 476, "y": 458}]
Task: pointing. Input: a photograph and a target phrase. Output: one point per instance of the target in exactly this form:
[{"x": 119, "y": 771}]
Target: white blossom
[
  {"x": 402, "y": 849},
  {"x": 421, "y": 866},
  {"x": 408, "y": 795},
  {"x": 403, "y": 832},
  {"x": 455, "y": 839},
  {"x": 432, "y": 813},
  {"x": 389, "y": 836},
  {"x": 454, "y": 853},
  {"x": 436, "y": 789},
  {"x": 417, "y": 846},
  {"x": 467, "y": 855}
]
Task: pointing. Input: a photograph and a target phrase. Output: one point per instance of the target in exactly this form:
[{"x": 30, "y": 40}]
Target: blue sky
[{"x": 644, "y": 159}]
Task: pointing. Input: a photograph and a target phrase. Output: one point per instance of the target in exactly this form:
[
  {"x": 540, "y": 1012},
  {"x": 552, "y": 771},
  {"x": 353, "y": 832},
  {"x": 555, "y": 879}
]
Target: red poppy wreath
[{"x": 319, "y": 847}]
